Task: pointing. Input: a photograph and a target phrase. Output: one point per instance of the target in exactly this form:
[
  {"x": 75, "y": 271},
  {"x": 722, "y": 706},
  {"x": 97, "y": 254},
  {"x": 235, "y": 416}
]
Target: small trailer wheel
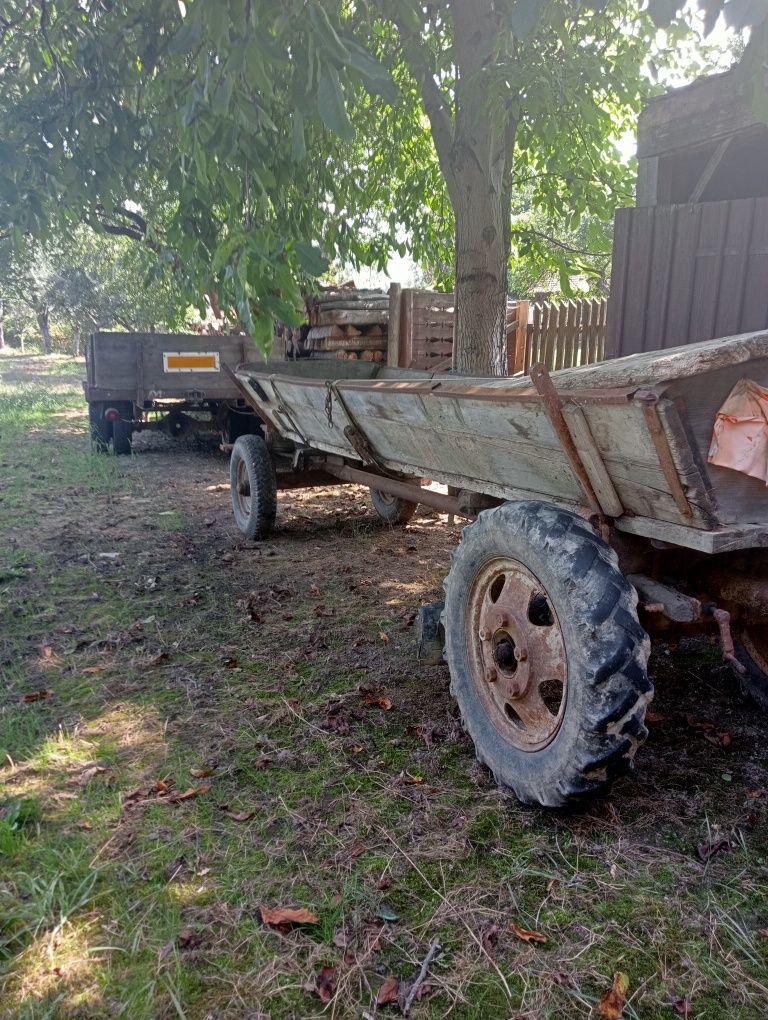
[
  {"x": 100, "y": 428},
  {"x": 392, "y": 509},
  {"x": 751, "y": 649},
  {"x": 122, "y": 428},
  {"x": 547, "y": 657},
  {"x": 254, "y": 487}
]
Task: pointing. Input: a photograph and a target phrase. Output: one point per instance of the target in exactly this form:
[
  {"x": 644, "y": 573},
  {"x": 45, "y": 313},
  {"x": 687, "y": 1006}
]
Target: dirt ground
[{"x": 214, "y": 727}]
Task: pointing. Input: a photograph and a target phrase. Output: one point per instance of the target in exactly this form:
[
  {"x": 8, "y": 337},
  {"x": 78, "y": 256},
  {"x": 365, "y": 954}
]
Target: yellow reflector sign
[{"x": 190, "y": 361}]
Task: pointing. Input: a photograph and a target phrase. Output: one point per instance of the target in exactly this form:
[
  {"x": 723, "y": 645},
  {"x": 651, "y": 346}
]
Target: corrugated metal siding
[{"x": 684, "y": 273}]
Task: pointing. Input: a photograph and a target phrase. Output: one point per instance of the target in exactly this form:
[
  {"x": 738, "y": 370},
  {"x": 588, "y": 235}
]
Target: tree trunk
[
  {"x": 2, "y": 325},
  {"x": 76, "y": 342},
  {"x": 480, "y": 168},
  {"x": 482, "y": 254},
  {"x": 43, "y": 323}
]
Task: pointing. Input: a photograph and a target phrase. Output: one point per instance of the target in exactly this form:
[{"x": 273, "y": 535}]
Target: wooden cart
[
  {"x": 169, "y": 382},
  {"x": 597, "y": 519}
]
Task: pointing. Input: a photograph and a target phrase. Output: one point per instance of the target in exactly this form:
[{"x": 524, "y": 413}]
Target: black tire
[
  {"x": 122, "y": 429},
  {"x": 100, "y": 428},
  {"x": 253, "y": 486},
  {"x": 392, "y": 509},
  {"x": 751, "y": 648},
  {"x": 603, "y": 652}
]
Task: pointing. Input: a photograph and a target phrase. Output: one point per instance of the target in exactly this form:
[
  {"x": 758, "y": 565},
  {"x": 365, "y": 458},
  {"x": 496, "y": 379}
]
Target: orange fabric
[{"x": 740, "y": 436}]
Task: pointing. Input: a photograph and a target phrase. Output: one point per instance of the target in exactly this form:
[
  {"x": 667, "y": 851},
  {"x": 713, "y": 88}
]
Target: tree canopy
[{"x": 248, "y": 142}]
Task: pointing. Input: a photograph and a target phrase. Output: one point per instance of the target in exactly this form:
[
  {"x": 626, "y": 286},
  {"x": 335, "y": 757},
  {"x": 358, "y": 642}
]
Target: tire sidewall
[
  {"x": 529, "y": 534},
  {"x": 253, "y": 451}
]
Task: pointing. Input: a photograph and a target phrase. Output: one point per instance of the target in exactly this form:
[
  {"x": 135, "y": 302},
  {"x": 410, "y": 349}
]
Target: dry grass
[{"x": 191, "y": 652}]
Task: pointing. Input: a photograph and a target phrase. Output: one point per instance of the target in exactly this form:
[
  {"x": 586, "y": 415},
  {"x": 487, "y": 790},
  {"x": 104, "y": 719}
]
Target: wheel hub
[{"x": 517, "y": 653}]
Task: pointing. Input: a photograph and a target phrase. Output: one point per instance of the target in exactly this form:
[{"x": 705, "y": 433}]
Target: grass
[{"x": 235, "y": 672}]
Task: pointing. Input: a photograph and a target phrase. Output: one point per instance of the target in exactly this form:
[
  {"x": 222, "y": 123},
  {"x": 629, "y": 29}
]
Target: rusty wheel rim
[
  {"x": 517, "y": 653},
  {"x": 243, "y": 489}
]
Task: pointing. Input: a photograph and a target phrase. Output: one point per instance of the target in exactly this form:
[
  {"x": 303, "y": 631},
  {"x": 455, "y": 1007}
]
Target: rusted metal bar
[
  {"x": 749, "y": 593},
  {"x": 551, "y": 401},
  {"x": 396, "y": 487},
  {"x": 723, "y": 621},
  {"x": 648, "y": 401}
]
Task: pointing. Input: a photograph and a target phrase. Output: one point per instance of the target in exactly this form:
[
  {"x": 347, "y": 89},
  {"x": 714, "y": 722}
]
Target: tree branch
[{"x": 573, "y": 249}]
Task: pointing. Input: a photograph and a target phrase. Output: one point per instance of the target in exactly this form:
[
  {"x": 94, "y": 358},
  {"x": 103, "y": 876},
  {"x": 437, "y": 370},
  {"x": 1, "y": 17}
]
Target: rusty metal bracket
[
  {"x": 329, "y": 402},
  {"x": 723, "y": 620},
  {"x": 550, "y": 398},
  {"x": 649, "y": 400}
]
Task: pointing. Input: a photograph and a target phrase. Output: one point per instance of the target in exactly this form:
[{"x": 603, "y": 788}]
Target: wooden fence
[{"x": 561, "y": 334}]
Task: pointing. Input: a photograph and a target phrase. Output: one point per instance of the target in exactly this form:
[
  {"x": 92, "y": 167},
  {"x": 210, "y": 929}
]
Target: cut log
[
  {"x": 346, "y": 355},
  {"x": 320, "y": 332},
  {"x": 373, "y": 355},
  {"x": 350, "y": 316},
  {"x": 360, "y": 343},
  {"x": 368, "y": 303}
]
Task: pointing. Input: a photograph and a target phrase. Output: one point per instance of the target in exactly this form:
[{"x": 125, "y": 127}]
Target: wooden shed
[{"x": 690, "y": 261}]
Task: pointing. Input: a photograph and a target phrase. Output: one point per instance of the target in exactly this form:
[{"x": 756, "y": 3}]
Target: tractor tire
[
  {"x": 253, "y": 486},
  {"x": 546, "y": 654},
  {"x": 392, "y": 509},
  {"x": 122, "y": 429},
  {"x": 751, "y": 648},
  {"x": 100, "y": 428}
]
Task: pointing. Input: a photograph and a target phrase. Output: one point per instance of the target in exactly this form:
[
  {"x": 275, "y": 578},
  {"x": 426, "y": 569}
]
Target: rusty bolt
[
  {"x": 501, "y": 619},
  {"x": 491, "y": 674},
  {"x": 483, "y": 634},
  {"x": 521, "y": 654}
]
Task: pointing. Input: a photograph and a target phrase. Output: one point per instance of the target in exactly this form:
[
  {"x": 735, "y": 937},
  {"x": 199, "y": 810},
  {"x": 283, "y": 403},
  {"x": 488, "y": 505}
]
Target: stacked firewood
[{"x": 347, "y": 324}]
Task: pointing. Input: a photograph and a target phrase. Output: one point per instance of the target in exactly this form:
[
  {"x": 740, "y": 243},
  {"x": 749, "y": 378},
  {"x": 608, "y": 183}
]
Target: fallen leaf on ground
[
  {"x": 37, "y": 696},
  {"x": 755, "y": 794},
  {"x": 525, "y": 935},
  {"x": 410, "y": 780},
  {"x": 229, "y": 662},
  {"x": 193, "y": 791},
  {"x": 94, "y": 669},
  {"x": 201, "y": 773},
  {"x": 277, "y": 917},
  {"x": 237, "y": 816},
  {"x": 325, "y": 983},
  {"x": 388, "y": 991},
  {"x": 163, "y": 786},
  {"x": 716, "y": 846},
  {"x": 219, "y": 487},
  {"x": 156, "y": 660},
  {"x": 383, "y": 636},
  {"x": 189, "y": 938},
  {"x": 654, "y": 717},
  {"x": 88, "y": 774},
  {"x": 553, "y": 885},
  {"x": 682, "y": 1007},
  {"x": 611, "y": 1006},
  {"x": 386, "y": 913},
  {"x": 699, "y": 724},
  {"x": 46, "y": 652},
  {"x": 383, "y": 703}
]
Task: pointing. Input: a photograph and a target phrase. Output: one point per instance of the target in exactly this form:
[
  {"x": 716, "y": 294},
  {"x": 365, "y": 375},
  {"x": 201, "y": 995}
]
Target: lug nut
[
  {"x": 501, "y": 619},
  {"x": 491, "y": 674},
  {"x": 483, "y": 634},
  {"x": 520, "y": 654}
]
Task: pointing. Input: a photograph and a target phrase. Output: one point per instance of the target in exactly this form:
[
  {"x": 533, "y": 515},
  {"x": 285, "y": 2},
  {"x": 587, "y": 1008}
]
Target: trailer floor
[{"x": 212, "y": 727}]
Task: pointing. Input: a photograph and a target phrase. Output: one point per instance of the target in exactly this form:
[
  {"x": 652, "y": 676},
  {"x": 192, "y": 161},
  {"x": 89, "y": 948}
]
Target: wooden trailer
[
  {"x": 601, "y": 513},
  {"x": 170, "y": 382}
]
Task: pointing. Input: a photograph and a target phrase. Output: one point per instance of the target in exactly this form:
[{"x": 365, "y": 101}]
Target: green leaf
[
  {"x": 328, "y": 35},
  {"x": 310, "y": 258},
  {"x": 330, "y": 103},
  {"x": 188, "y": 37},
  {"x": 375, "y": 77}
]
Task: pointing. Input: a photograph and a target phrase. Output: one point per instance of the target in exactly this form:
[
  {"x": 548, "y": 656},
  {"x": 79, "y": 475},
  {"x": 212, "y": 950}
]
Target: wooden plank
[
  {"x": 622, "y": 228},
  {"x": 707, "y": 270},
  {"x": 682, "y": 277},
  {"x": 353, "y": 317},
  {"x": 521, "y": 337},
  {"x": 735, "y": 257},
  {"x": 633, "y": 337},
  {"x": 665, "y": 228},
  {"x": 592, "y": 460},
  {"x": 707, "y": 173},
  {"x": 393, "y": 336},
  {"x": 646, "y": 187},
  {"x": 755, "y": 300}
]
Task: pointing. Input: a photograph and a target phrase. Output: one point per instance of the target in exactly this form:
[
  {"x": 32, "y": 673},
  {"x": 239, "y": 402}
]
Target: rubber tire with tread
[
  {"x": 607, "y": 650},
  {"x": 254, "y": 452},
  {"x": 392, "y": 510},
  {"x": 754, "y": 683},
  {"x": 100, "y": 428},
  {"x": 122, "y": 429}
]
